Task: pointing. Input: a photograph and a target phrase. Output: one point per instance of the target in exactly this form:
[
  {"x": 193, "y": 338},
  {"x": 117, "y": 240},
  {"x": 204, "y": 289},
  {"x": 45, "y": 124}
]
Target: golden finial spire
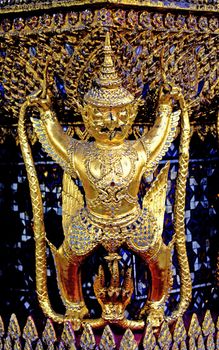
[
  {"x": 108, "y": 75},
  {"x": 108, "y": 62},
  {"x": 108, "y": 90}
]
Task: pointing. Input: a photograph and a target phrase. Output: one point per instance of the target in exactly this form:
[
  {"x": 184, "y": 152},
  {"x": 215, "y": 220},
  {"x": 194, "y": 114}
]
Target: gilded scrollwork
[{"x": 71, "y": 39}]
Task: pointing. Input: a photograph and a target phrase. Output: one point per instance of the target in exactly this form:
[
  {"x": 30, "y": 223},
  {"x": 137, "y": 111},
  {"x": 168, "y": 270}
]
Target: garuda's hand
[
  {"x": 169, "y": 93},
  {"x": 40, "y": 100}
]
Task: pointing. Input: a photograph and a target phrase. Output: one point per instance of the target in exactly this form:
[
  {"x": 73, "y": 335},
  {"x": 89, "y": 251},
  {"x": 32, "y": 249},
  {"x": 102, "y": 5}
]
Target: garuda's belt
[{"x": 86, "y": 232}]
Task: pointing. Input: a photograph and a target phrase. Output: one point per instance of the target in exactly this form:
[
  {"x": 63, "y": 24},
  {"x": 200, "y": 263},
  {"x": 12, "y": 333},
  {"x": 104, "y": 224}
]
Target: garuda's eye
[
  {"x": 98, "y": 114},
  {"x": 123, "y": 114}
]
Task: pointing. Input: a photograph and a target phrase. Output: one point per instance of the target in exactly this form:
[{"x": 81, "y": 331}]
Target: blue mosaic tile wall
[{"x": 17, "y": 279}]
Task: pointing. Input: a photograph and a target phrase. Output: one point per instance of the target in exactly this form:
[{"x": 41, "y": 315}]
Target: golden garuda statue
[{"x": 110, "y": 169}]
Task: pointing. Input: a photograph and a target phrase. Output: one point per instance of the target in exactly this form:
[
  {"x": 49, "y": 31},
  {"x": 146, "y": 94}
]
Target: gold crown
[{"x": 108, "y": 90}]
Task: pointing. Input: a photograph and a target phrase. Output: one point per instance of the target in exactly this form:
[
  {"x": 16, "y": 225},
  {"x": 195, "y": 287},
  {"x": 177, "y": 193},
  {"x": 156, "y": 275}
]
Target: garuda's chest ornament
[
  {"x": 111, "y": 172},
  {"x": 109, "y": 214}
]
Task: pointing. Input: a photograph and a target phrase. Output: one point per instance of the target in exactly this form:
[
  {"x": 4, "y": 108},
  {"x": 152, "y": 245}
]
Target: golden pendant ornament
[{"x": 110, "y": 169}]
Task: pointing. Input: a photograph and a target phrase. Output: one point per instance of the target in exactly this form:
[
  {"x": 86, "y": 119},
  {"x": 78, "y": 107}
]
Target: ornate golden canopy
[{"x": 70, "y": 33}]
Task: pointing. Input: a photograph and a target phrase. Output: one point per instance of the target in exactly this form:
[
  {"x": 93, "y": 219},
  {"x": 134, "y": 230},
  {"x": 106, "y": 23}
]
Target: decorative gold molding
[
  {"x": 186, "y": 5},
  {"x": 78, "y": 19}
]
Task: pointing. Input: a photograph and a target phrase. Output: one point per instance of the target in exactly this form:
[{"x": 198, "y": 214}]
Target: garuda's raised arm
[
  {"x": 157, "y": 141},
  {"x": 50, "y": 133}
]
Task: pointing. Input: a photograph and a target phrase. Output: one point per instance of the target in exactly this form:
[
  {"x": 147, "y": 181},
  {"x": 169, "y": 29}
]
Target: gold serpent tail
[
  {"x": 38, "y": 217},
  {"x": 179, "y": 225}
]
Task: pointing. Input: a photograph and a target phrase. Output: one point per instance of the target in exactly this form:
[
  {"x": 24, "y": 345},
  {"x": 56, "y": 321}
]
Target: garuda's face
[{"x": 109, "y": 125}]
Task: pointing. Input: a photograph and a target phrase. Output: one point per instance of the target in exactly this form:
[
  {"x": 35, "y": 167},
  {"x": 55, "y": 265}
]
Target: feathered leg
[
  {"x": 159, "y": 267},
  {"x": 68, "y": 271}
]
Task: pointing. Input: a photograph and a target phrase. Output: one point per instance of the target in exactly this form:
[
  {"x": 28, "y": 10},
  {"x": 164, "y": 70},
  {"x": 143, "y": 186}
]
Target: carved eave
[
  {"x": 22, "y": 6},
  {"x": 71, "y": 33}
]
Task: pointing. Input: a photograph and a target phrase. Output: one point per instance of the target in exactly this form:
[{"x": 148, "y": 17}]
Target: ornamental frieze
[
  {"x": 8, "y": 6},
  {"x": 146, "y": 42},
  {"x": 139, "y": 19}
]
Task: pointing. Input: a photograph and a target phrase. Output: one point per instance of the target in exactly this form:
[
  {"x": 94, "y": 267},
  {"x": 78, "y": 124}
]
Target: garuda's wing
[
  {"x": 40, "y": 130},
  {"x": 154, "y": 200},
  {"x": 72, "y": 200}
]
